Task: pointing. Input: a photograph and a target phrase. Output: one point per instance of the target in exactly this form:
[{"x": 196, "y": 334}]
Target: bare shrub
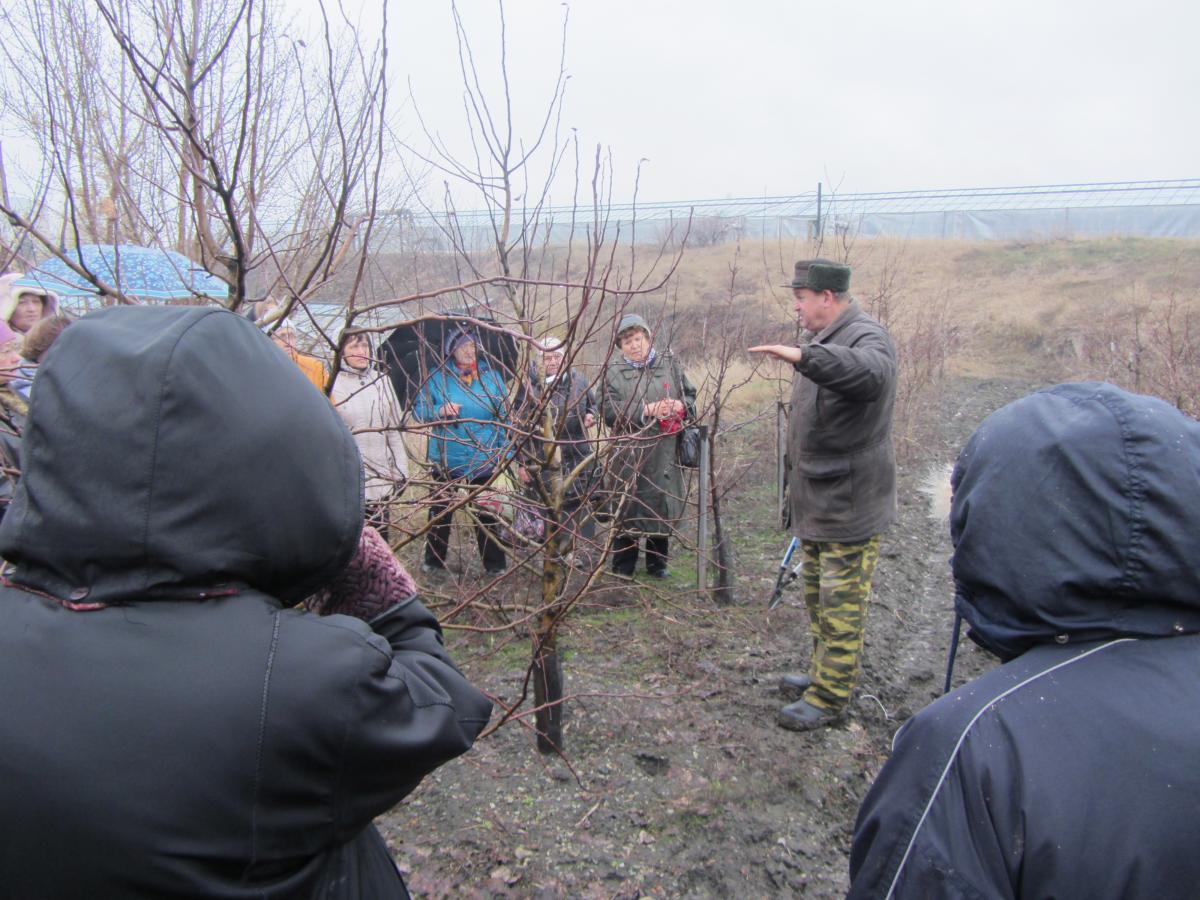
[
  {"x": 1149, "y": 346},
  {"x": 925, "y": 336},
  {"x": 708, "y": 231}
]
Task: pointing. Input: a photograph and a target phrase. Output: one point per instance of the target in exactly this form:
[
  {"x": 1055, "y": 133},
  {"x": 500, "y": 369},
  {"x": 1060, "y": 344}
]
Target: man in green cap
[{"x": 841, "y": 471}]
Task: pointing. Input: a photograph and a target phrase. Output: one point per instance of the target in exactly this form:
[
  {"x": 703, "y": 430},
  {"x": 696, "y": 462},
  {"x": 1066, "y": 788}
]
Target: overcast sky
[{"x": 769, "y": 97}]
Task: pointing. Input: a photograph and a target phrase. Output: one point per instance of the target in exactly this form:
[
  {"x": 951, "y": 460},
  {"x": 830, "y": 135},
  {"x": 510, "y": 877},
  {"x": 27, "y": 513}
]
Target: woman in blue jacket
[{"x": 465, "y": 402}]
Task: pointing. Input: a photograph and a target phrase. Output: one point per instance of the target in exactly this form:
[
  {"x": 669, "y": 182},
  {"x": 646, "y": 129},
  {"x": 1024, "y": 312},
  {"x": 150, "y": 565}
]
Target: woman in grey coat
[{"x": 647, "y": 399}]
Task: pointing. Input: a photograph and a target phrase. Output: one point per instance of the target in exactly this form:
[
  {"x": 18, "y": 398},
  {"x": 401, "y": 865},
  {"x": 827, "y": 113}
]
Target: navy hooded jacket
[{"x": 1070, "y": 771}]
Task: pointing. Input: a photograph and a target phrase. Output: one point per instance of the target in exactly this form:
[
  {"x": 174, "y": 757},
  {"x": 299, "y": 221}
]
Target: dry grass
[{"x": 1012, "y": 304}]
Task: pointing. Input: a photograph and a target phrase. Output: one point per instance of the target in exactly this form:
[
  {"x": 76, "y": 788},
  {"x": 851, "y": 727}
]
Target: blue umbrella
[{"x": 146, "y": 273}]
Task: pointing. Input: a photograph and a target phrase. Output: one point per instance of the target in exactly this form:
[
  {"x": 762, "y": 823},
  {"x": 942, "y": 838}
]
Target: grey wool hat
[
  {"x": 821, "y": 275},
  {"x": 632, "y": 320}
]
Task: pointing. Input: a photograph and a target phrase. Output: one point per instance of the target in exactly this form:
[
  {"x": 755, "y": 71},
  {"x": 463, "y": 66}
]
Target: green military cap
[{"x": 821, "y": 275}]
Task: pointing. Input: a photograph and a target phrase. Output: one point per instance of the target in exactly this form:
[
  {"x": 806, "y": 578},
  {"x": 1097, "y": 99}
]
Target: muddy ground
[{"x": 676, "y": 781}]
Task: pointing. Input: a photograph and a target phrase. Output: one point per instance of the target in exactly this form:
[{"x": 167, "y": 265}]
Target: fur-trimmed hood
[{"x": 10, "y": 295}]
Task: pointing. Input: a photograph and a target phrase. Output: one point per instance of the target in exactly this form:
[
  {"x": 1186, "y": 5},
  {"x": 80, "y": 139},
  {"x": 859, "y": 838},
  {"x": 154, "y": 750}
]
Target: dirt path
[{"x": 677, "y": 781}]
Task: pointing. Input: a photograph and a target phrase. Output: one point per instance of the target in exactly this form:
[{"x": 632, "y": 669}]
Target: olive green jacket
[
  {"x": 644, "y": 464},
  {"x": 841, "y": 465}
]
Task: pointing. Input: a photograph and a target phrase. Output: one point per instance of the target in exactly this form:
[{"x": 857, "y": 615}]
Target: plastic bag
[{"x": 687, "y": 447}]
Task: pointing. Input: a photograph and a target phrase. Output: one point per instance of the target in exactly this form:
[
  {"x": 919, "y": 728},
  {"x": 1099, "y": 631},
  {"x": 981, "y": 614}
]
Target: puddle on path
[{"x": 935, "y": 485}]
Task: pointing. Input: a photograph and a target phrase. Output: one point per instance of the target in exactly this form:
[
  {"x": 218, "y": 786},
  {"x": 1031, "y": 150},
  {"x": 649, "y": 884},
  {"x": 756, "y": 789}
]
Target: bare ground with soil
[{"x": 676, "y": 781}]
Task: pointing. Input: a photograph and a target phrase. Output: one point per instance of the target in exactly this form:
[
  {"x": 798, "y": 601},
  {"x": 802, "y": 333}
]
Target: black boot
[
  {"x": 803, "y": 716},
  {"x": 624, "y": 555},
  {"x": 657, "y": 549},
  {"x": 792, "y": 687}
]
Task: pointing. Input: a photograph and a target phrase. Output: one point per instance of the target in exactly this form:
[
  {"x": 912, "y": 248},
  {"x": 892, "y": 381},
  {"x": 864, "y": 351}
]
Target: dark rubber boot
[
  {"x": 792, "y": 687},
  {"x": 803, "y": 716}
]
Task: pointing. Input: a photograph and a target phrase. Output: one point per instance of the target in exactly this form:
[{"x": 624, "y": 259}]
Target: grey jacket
[
  {"x": 841, "y": 465},
  {"x": 570, "y": 401},
  {"x": 645, "y": 463}
]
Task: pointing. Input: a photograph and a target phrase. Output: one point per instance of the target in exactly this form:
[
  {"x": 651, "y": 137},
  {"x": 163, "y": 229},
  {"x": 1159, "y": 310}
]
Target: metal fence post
[
  {"x": 820, "y": 224},
  {"x": 702, "y": 527},
  {"x": 780, "y": 463}
]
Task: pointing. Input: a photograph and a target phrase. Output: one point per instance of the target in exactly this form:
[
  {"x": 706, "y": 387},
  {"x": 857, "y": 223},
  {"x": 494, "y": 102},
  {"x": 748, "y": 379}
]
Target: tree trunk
[
  {"x": 547, "y": 664},
  {"x": 548, "y": 690},
  {"x": 723, "y": 592}
]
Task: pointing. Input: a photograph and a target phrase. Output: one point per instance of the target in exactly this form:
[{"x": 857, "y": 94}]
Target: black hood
[
  {"x": 1076, "y": 516},
  {"x": 169, "y": 450}
]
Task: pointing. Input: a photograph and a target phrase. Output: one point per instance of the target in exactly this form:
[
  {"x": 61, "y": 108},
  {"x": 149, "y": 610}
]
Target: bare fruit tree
[
  {"x": 540, "y": 271},
  {"x": 210, "y": 127}
]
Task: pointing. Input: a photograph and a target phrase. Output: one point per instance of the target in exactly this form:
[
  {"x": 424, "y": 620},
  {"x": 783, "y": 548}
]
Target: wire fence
[{"x": 1165, "y": 208}]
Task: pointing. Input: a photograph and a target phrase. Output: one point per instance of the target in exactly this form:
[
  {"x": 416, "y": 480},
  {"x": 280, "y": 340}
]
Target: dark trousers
[
  {"x": 378, "y": 517},
  {"x": 625, "y": 553},
  {"x": 379, "y": 512},
  {"x": 437, "y": 539}
]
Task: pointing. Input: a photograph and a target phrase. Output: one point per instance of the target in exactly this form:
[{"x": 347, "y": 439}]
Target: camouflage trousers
[{"x": 837, "y": 582}]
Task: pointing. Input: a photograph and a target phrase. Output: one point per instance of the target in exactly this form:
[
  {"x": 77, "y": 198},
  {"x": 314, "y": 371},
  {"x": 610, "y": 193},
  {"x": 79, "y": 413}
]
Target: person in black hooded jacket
[
  {"x": 170, "y": 725},
  {"x": 1070, "y": 771}
]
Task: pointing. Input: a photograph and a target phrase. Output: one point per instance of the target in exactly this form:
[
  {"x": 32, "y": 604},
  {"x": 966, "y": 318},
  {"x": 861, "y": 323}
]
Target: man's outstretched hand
[{"x": 779, "y": 351}]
